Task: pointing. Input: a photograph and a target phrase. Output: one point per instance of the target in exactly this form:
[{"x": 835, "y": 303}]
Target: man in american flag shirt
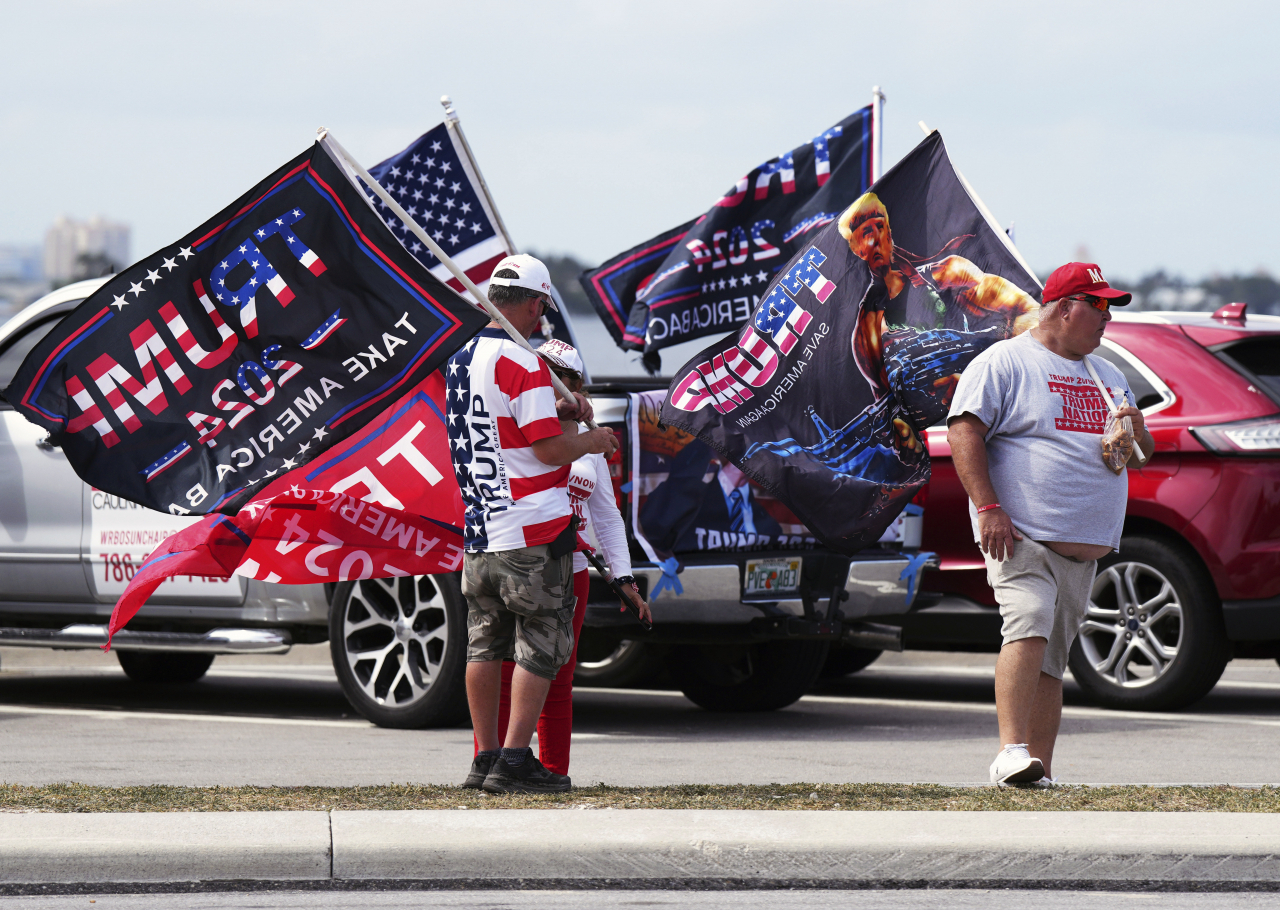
[{"x": 512, "y": 458}]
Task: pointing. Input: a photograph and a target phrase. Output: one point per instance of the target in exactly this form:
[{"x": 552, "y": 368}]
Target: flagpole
[
  {"x": 994, "y": 225},
  {"x": 877, "y": 133},
  {"x": 454, "y": 123},
  {"x": 335, "y": 147}
]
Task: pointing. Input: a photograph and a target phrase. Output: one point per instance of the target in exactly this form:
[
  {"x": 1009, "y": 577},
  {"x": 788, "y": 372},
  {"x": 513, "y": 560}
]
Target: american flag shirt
[
  {"x": 500, "y": 402},
  {"x": 435, "y": 183}
]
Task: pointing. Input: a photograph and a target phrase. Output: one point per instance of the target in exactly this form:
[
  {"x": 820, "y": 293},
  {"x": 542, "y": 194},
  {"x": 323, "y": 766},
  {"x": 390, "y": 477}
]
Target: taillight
[{"x": 1259, "y": 436}]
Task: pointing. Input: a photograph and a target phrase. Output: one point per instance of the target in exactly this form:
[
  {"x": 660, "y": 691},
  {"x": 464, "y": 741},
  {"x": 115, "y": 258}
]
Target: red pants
[{"x": 555, "y": 724}]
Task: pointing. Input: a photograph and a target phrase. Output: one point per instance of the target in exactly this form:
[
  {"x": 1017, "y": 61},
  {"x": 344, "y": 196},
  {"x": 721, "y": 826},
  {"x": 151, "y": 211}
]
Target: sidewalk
[{"x": 647, "y": 848}]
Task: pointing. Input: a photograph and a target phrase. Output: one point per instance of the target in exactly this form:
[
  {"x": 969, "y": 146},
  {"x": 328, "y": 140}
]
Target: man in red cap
[{"x": 1025, "y": 430}]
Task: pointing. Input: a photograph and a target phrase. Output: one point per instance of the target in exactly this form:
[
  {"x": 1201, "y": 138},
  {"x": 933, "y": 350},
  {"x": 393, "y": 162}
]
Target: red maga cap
[{"x": 1082, "y": 278}]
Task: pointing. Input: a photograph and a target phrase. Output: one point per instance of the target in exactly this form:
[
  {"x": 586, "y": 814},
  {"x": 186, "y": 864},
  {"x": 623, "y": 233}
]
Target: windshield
[
  {"x": 1259, "y": 358},
  {"x": 17, "y": 347}
]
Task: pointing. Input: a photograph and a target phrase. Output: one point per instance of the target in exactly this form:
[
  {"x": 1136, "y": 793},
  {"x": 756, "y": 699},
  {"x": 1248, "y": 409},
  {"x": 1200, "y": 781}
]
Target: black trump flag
[
  {"x": 704, "y": 278},
  {"x": 276, "y": 329},
  {"x": 854, "y": 351}
]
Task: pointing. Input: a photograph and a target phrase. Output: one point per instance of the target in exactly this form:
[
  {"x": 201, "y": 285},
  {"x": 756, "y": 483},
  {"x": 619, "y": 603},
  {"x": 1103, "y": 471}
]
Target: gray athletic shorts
[{"x": 1042, "y": 595}]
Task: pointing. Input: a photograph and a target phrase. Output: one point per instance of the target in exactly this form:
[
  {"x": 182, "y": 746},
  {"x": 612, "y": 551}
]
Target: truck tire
[
  {"x": 756, "y": 677},
  {"x": 164, "y": 667},
  {"x": 399, "y": 648},
  {"x": 1153, "y": 638},
  {"x": 843, "y": 661},
  {"x": 609, "y": 663}
]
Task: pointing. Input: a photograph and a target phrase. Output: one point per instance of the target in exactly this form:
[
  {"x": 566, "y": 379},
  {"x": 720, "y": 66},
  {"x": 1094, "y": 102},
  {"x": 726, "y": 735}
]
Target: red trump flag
[{"x": 381, "y": 503}]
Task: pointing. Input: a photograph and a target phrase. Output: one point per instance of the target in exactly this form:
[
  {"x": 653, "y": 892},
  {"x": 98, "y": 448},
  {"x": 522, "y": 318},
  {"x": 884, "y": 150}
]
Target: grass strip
[{"x": 929, "y": 797}]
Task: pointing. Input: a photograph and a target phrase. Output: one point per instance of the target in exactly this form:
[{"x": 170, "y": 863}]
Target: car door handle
[{"x": 47, "y": 443}]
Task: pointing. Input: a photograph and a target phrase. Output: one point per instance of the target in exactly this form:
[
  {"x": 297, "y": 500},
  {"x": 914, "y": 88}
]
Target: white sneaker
[
  {"x": 1046, "y": 783},
  {"x": 1014, "y": 765}
]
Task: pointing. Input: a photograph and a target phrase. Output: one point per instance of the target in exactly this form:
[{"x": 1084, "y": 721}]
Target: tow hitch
[{"x": 830, "y": 624}]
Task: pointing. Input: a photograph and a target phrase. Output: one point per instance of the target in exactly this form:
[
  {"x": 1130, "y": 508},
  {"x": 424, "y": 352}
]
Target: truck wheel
[
  {"x": 164, "y": 666},
  {"x": 758, "y": 677},
  {"x": 399, "y": 648},
  {"x": 607, "y": 662},
  {"x": 843, "y": 661},
  {"x": 1153, "y": 639}
]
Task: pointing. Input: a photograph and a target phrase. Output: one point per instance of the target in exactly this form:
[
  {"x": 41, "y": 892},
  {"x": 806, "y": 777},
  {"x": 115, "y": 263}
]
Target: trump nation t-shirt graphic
[{"x": 1083, "y": 408}]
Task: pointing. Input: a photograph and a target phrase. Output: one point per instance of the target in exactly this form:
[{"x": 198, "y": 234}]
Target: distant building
[
  {"x": 67, "y": 240},
  {"x": 19, "y": 262}
]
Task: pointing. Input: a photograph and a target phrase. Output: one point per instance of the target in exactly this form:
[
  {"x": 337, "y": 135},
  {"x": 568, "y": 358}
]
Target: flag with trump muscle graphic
[
  {"x": 854, "y": 350},
  {"x": 275, "y": 330}
]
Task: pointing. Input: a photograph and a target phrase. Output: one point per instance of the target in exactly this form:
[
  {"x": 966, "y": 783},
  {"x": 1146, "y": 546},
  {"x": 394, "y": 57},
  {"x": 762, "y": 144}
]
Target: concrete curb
[
  {"x": 47, "y": 847},
  {"x": 646, "y": 848}
]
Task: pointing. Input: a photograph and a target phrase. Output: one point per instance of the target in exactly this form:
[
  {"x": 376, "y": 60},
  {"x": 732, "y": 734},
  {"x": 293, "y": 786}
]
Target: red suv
[{"x": 1197, "y": 578}]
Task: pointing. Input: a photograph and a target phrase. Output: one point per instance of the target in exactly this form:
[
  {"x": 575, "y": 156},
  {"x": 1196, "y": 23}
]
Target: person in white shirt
[{"x": 1025, "y": 429}]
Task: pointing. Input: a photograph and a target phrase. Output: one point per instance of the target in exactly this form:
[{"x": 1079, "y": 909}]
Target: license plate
[{"x": 772, "y": 576}]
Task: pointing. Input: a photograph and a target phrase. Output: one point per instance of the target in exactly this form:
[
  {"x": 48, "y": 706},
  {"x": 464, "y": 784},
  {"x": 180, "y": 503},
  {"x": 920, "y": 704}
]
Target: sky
[{"x": 1143, "y": 133}]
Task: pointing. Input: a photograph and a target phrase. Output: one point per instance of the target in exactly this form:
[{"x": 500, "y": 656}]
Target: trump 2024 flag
[
  {"x": 276, "y": 329},
  {"x": 704, "y": 278}
]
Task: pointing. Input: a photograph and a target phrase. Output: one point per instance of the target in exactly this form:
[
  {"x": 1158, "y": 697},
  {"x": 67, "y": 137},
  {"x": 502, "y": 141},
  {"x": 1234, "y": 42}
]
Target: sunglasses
[
  {"x": 534, "y": 295},
  {"x": 1098, "y": 303}
]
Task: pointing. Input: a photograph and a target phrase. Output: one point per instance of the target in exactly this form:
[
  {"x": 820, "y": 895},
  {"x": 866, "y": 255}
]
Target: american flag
[{"x": 437, "y": 186}]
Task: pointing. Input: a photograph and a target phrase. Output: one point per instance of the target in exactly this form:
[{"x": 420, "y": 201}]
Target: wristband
[{"x": 988, "y": 508}]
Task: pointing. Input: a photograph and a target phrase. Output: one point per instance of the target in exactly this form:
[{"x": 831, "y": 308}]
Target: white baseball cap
[
  {"x": 563, "y": 355},
  {"x": 533, "y": 276}
]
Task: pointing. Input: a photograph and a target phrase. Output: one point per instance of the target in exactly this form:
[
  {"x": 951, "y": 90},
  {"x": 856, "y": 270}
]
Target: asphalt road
[
  {"x": 74, "y": 716},
  {"x": 713, "y": 900}
]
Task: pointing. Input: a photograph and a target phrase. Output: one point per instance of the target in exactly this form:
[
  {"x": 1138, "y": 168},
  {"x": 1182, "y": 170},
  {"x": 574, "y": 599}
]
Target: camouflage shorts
[{"x": 520, "y": 605}]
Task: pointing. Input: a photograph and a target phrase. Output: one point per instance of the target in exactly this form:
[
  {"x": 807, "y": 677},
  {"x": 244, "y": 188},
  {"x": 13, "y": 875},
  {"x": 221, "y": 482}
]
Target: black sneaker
[
  {"x": 530, "y": 776},
  {"x": 481, "y": 765}
]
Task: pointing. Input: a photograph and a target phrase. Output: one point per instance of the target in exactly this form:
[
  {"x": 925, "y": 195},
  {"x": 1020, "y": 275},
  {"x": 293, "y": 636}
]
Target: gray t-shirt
[{"x": 1045, "y": 418}]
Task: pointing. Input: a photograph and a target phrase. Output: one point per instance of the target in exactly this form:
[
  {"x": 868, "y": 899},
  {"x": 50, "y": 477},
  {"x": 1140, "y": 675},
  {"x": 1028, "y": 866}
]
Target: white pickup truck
[{"x": 745, "y": 615}]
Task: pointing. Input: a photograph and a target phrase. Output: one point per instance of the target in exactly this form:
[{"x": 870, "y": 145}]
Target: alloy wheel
[
  {"x": 605, "y": 661},
  {"x": 1133, "y": 628},
  {"x": 623, "y": 651},
  {"x": 395, "y": 634}
]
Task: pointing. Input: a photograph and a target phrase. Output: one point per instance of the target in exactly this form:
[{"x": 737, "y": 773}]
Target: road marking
[
  {"x": 924, "y": 671},
  {"x": 577, "y": 736},
  {"x": 660, "y": 693},
  {"x": 109, "y": 714},
  {"x": 989, "y": 673},
  {"x": 304, "y": 673},
  {"x": 1067, "y": 711},
  {"x": 1236, "y": 684},
  {"x": 988, "y": 708}
]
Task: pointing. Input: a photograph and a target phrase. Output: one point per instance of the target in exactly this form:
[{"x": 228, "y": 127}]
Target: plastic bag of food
[{"x": 1117, "y": 442}]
